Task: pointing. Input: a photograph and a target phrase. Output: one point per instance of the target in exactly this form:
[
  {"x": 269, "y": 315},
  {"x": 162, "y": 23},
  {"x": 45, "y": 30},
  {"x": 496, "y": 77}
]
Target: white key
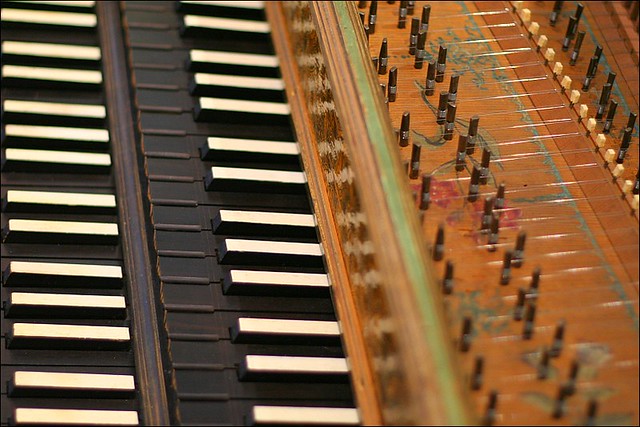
[
  {"x": 41, "y": 334},
  {"x": 70, "y": 19},
  {"x": 261, "y": 223},
  {"x": 57, "y": 132},
  {"x": 65, "y": 201},
  {"x": 44, "y": 416},
  {"x": 239, "y": 4},
  {"x": 115, "y": 383},
  {"x": 34, "y": 273},
  {"x": 253, "y": 180},
  {"x": 271, "y": 247},
  {"x": 244, "y": 82},
  {"x": 51, "y": 50},
  {"x": 55, "y": 109},
  {"x": 261, "y": 364},
  {"x": 234, "y": 58},
  {"x": 84, "y": 4},
  {"x": 226, "y": 24},
  {"x": 27, "y": 230},
  {"x": 60, "y": 75},
  {"x": 242, "y": 106},
  {"x": 249, "y": 148},
  {"x": 300, "y": 415},
  {"x": 58, "y": 157},
  {"x": 257, "y": 252},
  {"x": 237, "y": 280},
  {"x": 257, "y": 326},
  {"x": 49, "y": 304}
]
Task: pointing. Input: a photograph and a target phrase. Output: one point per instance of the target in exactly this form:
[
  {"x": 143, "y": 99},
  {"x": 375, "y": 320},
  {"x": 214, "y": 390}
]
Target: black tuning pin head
[
  {"x": 421, "y": 53},
  {"x": 450, "y": 121},
  {"x": 465, "y": 335},
  {"x": 405, "y": 126},
  {"x": 613, "y": 106},
  {"x": 414, "y": 167},
  {"x": 442, "y": 108},
  {"x": 476, "y": 376},
  {"x": 494, "y": 230},
  {"x": 424, "y": 20},
  {"x": 569, "y": 387},
  {"x": 624, "y": 146},
  {"x": 592, "y": 413},
  {"x": 571, "y": 26},
  {"x": 473, "y": 132},
  {"x": 392, "y": 86},
  {"x": 518, "y": 252},
  {"x": 487, "y": 213},
  {"x": 373, "y": 16},
  {"x": 461, "y": 152},
  {"x": 411, "y": 7},
  {"x": 484, "y": 166},
  {"x": 543, "y": 364},
  {"x": 490, "y": 413},
  {"x": 591, "y": 72},
  {"x": 535, "y": 281},
  {"x": 500, "y": 194},
  {"x": 553, "y": 18},
  {"x": 402, "y": 14},
  {"x": 438, "y": 247},
  {"x": 430, "y": 84},
  {"x": 558, "y": 340},
  {"x": 453, "y": 87},
  {"x": 604, "y": 100},
  {"x": 425, "y": 192},
  {"x": 576, "y": 48},
  {"x": 383, "y": 58},
  {"x": 529, "y": 318},
  {"x": 447, "y": 281},
  {"x": 631, "y": 122},
  {"x": 441, "y": 65},
  {"x": 518, "y": 310},
  {"x": 413, "y": 37},
  {"x": 558, "y": 408},
  {"x": 474, "y": 184},
  {"x": 505, "y": 276}
]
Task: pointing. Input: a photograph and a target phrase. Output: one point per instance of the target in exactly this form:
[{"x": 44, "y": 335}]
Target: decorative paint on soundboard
[{"x": 486, "y": 318}]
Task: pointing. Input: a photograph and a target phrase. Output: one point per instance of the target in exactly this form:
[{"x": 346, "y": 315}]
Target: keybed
[{"x": 63, "y": 286}]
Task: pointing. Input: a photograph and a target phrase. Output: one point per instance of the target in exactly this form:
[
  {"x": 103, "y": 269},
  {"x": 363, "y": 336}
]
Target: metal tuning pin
[
  {"x": 430, "y": 84},
  {"x": 505, "y": 276},
  {"x": 631, "y": 122},
  {"x": 447, "y": 281},
  {"x": 529, "y": 318},
  {"x": 568, "y": 36},
  {"x": 613, "y": 106},
  {"x": 465, "y": 335},
  {"x": 494, "y": 231},
  {"x": 441, "y": 65},
  {"x": 414, "y": 167},
  {"x": 405, "y": 126},
  {"x": 450, "y": 121},
  {"x": 484, "y": 166},
  {"x": 592, "y": 413},
  {"x": 424, "y": 20},
  {"x": 421, "y": 53},
  {"x": 474, "y": 184},
  {"x": 392, "y": 86},
  {"x": 604, "y": 100},
  {"x": 476, "y": 376},
  {"x": 383, "y": 57},
  {"x": 624, "y": 146},
  {"x": 558, "y": 406},
  {"x": 569, "y": 387},
  {"x": 473, "y": 132},
  {"x": 487, "y": 213},
  {"x": 576, "y": 48},
  {"x": 534, "y": 285},
  {"x": 411, "y": 7},
  {"x": 611, "y": 78},
  {"x": 438, "y": 247},
  {"x": 518, "y": 310},
  {"x": 597, "y": 53},
  {"x": 593, "y": 66},
  {"x": 558, "y": 340},
  {"x": 413, "y": 37},
  {"x": 373, "y": 16},
  {"x": 578, "y": 14},
  {"x": 442, "y": 108},
  {"x": 462, "y": 152},
  {"x": 499, "y": 203},
  {"x": 490, "y": 413},
  {"x": 553, "y": 18},
  {"x": 518, "y": 252},
  {"x": 402, "y": 14},
  {"x": 425, "y": 192},
  {"x": 543, "y": 364},
  {"x": 453, "y": 87}
]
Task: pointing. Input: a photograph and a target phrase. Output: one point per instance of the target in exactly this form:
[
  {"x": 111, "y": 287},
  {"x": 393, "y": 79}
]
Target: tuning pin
[
  {"x": 462, "y": 152},
  {"x": 624, "y": 146},
  {"x": 573, "y": 22},
  {"x": 613, "y": 106},
  {"x": 529, "y": 317},
  {"x": 392, "y": 87},
  {"x": 558, "y": 340},
  {"x": 499, "y": 203},
  {"x": 549, "y": 55},
  {"x": 570, "y": 386},
  {"x": 534, "y": 285},
  {"x": 413, "y": 37},
  {"x": 519, "y": 307},
  {"x": 404, "y": 129},
  {"x": 597, "y": 53},
  {"x": 577, "y": 15},
  {"x": 415, "y": 161},
  {"x": 474, "y": 187},
  {"x": 505, "y": 276},
  {"x": 453, "y": 87},
  {"x": 476, "y": 376},
  {"x": 438, "y": 247},
  {"x": 425, "y": 192},
  {"x": 450, "y": 120},
  {"x": 604, "y": 100},
  {"x": 518, "y": 252},
  {"x": 424, "y": 21},
  {"x": 593, "y": 66},
  {"x": 611, "y": 78},
  {"x": 493, "y": 232},
  {"x": 447, "y": 281},
  {"x": 430, "y": 84},
  {"x": 441, "y": 65},
  {"x": 442, "y": 108},
  {"x": 543, "y": 364},
  {"x": 592, "y": 411},
  {"x": 484, "y": 166},
  {"x": 576, "y": 48},
  {"x": 542, "y": 43},
  {"x": 487, "y": 213},
  {"x": 558, "y": 408},
  {"x": 373, "y": 16},
  {"x": 631, "y": 122},
  {"x": 411, "y": 6},
  {"x": 473, "y": 131},
  {"x": 402, "y": 14},
  {"x": 465, "y": 335},
  {"x": 421, "y": 53},
  {"x": 490, "y": 413},
  {"x": 383, "y": 57},
  {"x": 553, "y": 18}
]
